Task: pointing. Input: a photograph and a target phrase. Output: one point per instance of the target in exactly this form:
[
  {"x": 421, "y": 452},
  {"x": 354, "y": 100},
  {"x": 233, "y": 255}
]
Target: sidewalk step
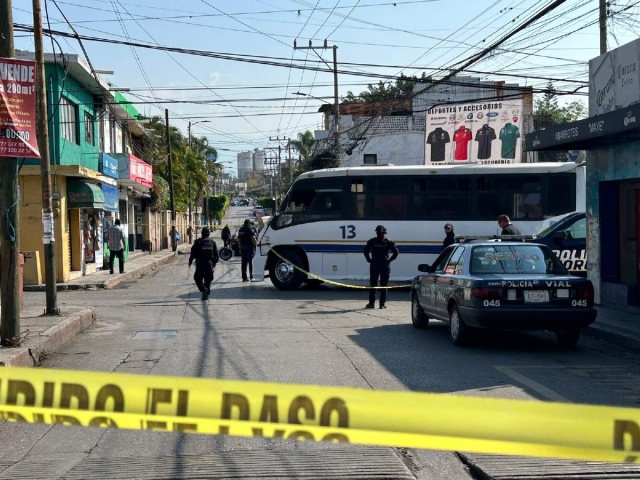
[
  {"x": 499, "y": 467},
  {"x": 336, "y": 462}
]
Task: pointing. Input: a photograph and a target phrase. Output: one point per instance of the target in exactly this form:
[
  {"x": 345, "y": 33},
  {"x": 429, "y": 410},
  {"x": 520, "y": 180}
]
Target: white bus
[{"x": 328, "y": 215}]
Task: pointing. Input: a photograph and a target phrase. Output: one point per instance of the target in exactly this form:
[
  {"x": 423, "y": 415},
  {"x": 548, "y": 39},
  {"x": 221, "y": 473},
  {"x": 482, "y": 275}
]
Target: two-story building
[
  {"x": 85, "y": 176},
  {"x": 394, "y": 131}
]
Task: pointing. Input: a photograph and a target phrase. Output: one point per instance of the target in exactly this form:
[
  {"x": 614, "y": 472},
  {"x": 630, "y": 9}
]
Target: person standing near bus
[
  {"x": 247, "y": 241},
  {"x": 507, "y": 227},
  {"x": 450, "y": 236},
  {"x": 377, "y": 251}
]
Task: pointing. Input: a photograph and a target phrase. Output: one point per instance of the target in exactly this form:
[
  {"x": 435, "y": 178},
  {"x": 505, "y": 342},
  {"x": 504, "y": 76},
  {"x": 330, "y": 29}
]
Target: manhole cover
[{"x": 150, "y": 335}]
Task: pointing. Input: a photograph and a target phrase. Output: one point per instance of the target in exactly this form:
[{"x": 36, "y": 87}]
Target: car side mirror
[
  {"x": 560, "y": 236},
  {"x": 424, "y": 268}
]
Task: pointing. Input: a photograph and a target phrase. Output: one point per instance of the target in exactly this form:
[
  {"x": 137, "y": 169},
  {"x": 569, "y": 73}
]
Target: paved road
[{"x": 315, "y": 336}]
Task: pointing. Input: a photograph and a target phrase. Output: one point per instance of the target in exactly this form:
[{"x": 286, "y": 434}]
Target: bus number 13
[{"x": 348, "y": 231}]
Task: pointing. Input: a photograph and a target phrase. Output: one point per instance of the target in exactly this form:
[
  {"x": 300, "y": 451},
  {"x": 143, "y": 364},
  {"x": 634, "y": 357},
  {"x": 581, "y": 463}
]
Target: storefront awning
[
  {"x": 84, "y": 195},
  {"x": 610, "y": 128}
]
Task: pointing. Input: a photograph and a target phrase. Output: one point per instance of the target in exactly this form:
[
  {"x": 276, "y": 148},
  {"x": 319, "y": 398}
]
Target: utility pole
[
  {"x": 290, "y": 162},
  {"x": 171, "y": 196},
  {"x": 603, "y": 26},
  {"x": 9, "y": 237},
  {"x": 45, "y": 166},
  {"x": 288, "y": 140},
  {"x": 189, "y": 173},
  {"x": 336, "y": 100}
]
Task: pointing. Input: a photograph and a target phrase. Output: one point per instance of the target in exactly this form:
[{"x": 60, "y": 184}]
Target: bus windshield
[{"x": 312, "y": 200}]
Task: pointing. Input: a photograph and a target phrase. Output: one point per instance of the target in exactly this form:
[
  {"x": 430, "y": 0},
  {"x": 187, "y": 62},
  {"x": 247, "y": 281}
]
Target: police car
[
  {"x": 502, "y": 285},
  {"x": 568, "y": 240}
]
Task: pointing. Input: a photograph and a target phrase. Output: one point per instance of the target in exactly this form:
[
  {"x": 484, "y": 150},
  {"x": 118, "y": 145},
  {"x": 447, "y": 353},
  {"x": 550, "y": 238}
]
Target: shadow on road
[{"x": 425, "y": 360}]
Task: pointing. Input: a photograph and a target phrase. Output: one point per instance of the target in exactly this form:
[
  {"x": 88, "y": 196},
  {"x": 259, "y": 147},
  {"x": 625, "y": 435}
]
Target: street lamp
[{"x": 301, "y": 94}]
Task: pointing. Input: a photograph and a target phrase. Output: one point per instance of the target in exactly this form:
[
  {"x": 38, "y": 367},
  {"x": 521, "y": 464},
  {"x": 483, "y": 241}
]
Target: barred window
[
  {"x": 88, "y": 129},
  {"x": 68, "y": 120}
]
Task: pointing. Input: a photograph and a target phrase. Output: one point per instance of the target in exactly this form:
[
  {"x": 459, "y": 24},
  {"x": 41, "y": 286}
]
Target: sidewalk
[
  {"x": 616, "y": 326},
  {"x": 43, "y": 334},
  {"x": 134, "y": 268}
]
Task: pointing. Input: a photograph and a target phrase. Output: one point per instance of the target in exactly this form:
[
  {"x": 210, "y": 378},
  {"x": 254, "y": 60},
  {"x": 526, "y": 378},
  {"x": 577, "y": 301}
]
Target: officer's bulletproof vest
[{"x": 207, "y": 247}]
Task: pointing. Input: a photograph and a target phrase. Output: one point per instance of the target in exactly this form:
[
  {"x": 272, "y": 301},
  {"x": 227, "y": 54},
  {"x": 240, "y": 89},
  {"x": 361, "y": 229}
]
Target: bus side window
[
  {"x": 561, "y": 194},
  {"x": 358, "y": 198}
]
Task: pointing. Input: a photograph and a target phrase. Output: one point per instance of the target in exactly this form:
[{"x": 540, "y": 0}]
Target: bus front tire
[{"x": 283, "y": 275}]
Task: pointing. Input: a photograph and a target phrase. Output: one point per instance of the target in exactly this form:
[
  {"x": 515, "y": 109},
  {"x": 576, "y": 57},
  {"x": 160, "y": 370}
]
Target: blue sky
[{"x": 421, "y": 33}]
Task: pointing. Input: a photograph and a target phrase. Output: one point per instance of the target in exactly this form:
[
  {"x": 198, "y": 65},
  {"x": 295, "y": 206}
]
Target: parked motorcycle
[{"x": 227, "y": 253}]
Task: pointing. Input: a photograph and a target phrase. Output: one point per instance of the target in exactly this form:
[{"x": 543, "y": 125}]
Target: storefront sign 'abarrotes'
[
  {"x": 581, "y": 135},
  {"x": 18, "y": 108}
]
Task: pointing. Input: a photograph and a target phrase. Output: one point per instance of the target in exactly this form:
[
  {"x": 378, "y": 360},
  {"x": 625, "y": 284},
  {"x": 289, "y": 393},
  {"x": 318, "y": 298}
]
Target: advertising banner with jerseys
[{"x": 487, "y": 133}]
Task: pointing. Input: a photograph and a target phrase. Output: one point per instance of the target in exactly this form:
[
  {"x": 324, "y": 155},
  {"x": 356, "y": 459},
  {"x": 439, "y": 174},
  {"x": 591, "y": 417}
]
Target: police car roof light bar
[{"x": 497, "y": 238}]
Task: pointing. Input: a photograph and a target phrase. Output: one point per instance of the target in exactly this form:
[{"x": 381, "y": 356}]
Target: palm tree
[{"x": 305, "y": 144}]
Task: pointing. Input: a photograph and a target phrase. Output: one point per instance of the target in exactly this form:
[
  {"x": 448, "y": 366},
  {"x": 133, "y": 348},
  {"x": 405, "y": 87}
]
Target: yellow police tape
[
  {"x": 333, "y": 414},
  {"x": 309, "y": 274}
]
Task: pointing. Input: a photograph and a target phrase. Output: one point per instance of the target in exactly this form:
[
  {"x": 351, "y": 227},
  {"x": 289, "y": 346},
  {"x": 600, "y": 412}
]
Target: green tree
[
  {"x": 218, "y": 205},
  {"x": 305, "y": 145},
  {"x": 547, "y": 113},
  {"x": 194, "y": 162},
  {"x": 385, "y": 91}
]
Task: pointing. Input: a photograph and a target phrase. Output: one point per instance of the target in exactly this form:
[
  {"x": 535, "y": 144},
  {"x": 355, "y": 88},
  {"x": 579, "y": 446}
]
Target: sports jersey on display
[
  {"x": 438, "y": 140},
  {"x": 484, "y": 137},
  {"x": 509, "y": 135},
  {"x": 462, "y": 137}
]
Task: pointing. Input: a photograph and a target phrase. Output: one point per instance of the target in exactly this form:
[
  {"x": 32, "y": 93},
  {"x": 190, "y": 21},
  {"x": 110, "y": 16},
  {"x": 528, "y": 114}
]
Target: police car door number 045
[{"x": 348, "y": 231}]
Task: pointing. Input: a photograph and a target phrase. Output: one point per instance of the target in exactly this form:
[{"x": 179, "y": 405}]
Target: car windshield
[
  {"x": 548, "y": 230},
  {"x": 515, "y": 259}
]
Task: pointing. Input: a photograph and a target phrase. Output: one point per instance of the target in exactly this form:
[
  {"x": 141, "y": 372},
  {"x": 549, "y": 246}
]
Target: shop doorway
[{"x": 629, "y": 246}]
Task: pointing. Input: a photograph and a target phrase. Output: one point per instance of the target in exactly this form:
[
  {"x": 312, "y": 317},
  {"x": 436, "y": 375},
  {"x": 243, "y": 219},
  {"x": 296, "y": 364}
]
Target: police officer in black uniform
[
  {"x": 508, "y": 228},
  {"x": 377, "y": 251},
  {"x": 247, "y": 240},
  {"x": 205, "y": 253}
]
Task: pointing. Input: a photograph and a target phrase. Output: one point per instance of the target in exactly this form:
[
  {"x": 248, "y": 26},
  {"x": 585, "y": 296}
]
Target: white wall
[{"x": 402, "y": 148}]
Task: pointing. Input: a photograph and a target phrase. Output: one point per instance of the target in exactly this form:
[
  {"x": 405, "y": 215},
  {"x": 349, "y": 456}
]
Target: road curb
[
  {"x": 614, "y": 335},
  {"x": 109, "y": 283},
  {"x": 36, "y": 348}
]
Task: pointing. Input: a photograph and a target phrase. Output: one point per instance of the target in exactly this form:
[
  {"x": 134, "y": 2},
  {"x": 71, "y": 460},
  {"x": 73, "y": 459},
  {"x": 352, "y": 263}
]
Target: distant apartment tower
[
  {"x": 245, "y": 164},
  {"x": 258, "y": 160}
]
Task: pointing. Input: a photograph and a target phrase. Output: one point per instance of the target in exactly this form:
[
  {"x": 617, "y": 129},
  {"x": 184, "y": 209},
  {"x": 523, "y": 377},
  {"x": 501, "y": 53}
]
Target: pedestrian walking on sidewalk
[
  {"x": 226, "y": 235},
  {"x": 115, "y": 242},
  {"x": 508, "y": 228},
  {"x": 377, "y": 251},
  {"x": 247, "y": 241},
  {"x": 205, "y": 253}
]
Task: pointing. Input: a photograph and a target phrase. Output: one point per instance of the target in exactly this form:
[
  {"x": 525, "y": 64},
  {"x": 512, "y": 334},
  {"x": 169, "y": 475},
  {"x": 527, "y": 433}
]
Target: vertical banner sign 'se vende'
[
  {"x": 18, "y": 108},
  {"x": 484, "y": 132}
]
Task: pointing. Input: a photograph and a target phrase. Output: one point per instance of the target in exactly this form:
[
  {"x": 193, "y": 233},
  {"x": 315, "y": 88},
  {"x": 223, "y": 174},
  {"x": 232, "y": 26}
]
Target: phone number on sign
[{"x": 15, "y": 151}]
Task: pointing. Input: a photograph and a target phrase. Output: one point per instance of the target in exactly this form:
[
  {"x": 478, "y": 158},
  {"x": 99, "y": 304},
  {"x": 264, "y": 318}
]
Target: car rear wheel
[
  {"x": 283, "y": 275},
  {"x": 418, "y": 317},
  {"x": 458, "y": 330},
  {"x": 568, "y": 339}
]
